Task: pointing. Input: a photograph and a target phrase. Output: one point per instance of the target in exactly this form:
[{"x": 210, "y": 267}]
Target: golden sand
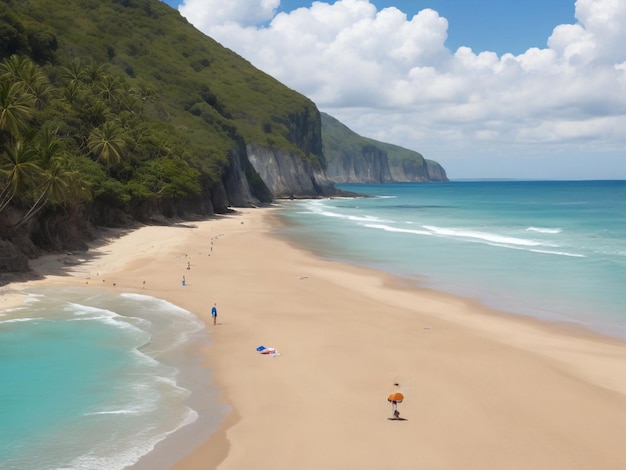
[{"x": 483, "y": 390}]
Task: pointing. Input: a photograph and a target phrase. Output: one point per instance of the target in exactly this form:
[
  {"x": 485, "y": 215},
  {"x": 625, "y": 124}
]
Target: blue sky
[
  {"x": 496, "y": 25},
  {"x": 488, "y": 88}
]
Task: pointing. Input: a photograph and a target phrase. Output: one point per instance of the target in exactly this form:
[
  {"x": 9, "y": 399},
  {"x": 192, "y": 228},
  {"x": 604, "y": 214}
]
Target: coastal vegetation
[
  {"x": 76, "y": 134},
  {"x": 116, "y": 109},
  {"x": 338, "y": 139}
]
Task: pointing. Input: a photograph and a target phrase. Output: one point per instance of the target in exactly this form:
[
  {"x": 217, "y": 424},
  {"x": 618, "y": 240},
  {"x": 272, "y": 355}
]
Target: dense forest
[
  {"x": 78, "y": 133},
  {"x": 119, "y": 110}
]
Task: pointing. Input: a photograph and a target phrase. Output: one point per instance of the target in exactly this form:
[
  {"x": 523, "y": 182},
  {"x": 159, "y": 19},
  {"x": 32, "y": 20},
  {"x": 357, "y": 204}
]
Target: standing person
[
  {"x": 394, "y": 409},
  {"x": 394, "y": 399},
  {"x": 214, "y": 313}
]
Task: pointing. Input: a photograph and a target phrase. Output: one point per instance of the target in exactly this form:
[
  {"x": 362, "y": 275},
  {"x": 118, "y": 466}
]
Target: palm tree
[
  {"x": 18, "y": 169},
  {"x": 49, "y": 146},
  {"x": 13, "y": 67},
  {"x": 53, "y": 183},
  {"x": 107, "y": 143},
  {"x": 94, "y": 111},
  {"x": 109, "y": 88},
  {"x": 58, "y": 185},
  {"x": 130, "y": 102},
  {"x": 16, "y": 106},
  {"x": 74, "y": 73},
  {"x": 94, "y": 72},
  {"x": 40, "y": 90},
  {"x": 71, "y": 92}
]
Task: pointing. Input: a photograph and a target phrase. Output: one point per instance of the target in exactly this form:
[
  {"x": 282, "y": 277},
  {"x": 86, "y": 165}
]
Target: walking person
[
  {"x": 394, "y": 399},
  {"x": 214, "y": 314}
]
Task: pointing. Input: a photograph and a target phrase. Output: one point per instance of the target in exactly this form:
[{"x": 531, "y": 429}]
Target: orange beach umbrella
[{"x": 396, "y": 396}]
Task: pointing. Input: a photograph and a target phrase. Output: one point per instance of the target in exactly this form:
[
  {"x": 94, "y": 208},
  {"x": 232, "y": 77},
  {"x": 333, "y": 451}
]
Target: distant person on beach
[
  {"x": 394, "y": 399},
  {"x": 214, "y": 313},
  {"x": 394, "y": 409}
]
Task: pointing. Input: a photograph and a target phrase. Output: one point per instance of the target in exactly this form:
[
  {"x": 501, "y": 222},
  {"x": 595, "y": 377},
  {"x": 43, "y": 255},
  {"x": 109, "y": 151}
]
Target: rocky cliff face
[
  {"x": 371, "y": 165},
  {"x": 416, "y": 171},
  {"x": 289, "y": 175},
  {"x": 242, "y": 186},
  {"x": 355, "y": 159},
  {"x": 405, "y": 170},
  {"x": 259, "y": 173},
  {"x": 436, "y": 171},
  {"x": 294, "y": 174}
]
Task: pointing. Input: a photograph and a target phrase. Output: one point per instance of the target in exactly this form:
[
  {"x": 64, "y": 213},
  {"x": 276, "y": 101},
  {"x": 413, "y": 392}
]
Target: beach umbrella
[{"x": 394, "y": 399}]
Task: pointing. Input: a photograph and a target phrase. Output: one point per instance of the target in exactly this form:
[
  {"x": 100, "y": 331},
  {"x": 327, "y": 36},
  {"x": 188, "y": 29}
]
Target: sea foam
[
  {"x": 526, "y": 247},
  {"x": 116, "y": 383}
]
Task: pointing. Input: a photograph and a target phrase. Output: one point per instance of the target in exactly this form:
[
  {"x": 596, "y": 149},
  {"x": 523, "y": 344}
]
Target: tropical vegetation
[
  {"x": 77, "y": 133},
  {"x": 121, "y": 105}
]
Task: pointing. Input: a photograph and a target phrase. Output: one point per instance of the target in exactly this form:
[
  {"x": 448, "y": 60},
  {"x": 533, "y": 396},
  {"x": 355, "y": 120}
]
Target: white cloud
[
  {"x": 204, "y": 14},
  {"x": 391, "y": 77}
]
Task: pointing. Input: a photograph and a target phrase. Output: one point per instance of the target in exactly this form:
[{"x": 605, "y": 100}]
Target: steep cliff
[
  {"x": 355, "y": 159},
  {"x": 361, "y": 164},
  {"x": 288, "y": 175},
  {"x": 436, "y": 171}
]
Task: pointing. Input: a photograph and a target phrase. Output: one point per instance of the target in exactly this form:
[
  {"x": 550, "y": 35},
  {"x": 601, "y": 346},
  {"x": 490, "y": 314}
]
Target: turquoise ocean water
[
  {"x": 548, "y": 249},
  {"x": 91, "y": 380}
]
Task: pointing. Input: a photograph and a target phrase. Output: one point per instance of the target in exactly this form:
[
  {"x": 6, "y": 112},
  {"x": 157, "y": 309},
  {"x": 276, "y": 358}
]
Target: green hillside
[
  {"x": 199, "y": 85},
  {"x": 346, "y": 151},
  {"x": 139, "y": 107},
  {"x": 339, "y": 138}
]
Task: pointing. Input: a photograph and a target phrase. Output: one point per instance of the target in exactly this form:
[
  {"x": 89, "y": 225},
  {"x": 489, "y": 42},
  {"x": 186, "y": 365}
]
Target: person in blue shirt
[{"x": 214, "y": 313}]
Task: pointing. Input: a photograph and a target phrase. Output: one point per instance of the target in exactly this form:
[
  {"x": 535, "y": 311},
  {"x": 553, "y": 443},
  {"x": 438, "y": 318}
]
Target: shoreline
[{"x": 346, "y": 334}]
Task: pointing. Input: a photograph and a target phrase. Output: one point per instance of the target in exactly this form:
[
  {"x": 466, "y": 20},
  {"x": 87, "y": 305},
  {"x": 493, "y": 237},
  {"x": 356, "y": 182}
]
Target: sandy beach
[{"x": 483, "y": 389}]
